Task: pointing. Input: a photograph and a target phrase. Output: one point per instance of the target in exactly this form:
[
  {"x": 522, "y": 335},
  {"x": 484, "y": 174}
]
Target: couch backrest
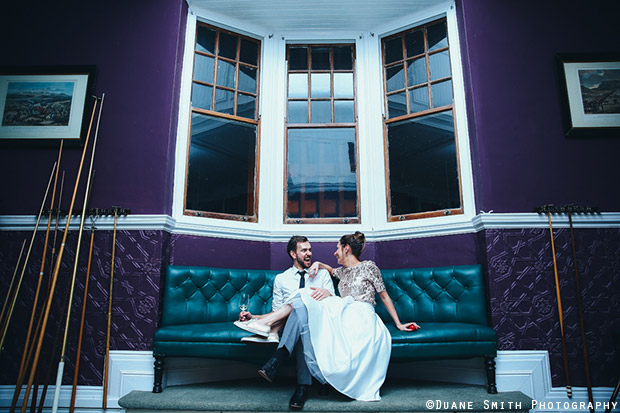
[
  {"x": 196, "y": 295},
  {"x": 440, "y": 294}
]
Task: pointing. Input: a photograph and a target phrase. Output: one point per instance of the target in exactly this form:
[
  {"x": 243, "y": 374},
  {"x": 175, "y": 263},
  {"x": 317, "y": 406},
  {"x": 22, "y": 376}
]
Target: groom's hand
[
  {"x": 245, "y": 316},
  {"x": 319, "y": 293}
]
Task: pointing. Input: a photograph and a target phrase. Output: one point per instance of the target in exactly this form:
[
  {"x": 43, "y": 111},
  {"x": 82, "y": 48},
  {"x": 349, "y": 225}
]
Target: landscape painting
[
  {"x": 38, "y": 103},
  {"x": 600, "y": 91},
  {"x": 45, "y": 104}
]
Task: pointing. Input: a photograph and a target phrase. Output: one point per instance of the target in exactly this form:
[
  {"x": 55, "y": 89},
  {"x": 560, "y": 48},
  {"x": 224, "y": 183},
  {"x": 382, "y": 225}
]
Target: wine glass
[{"x": 244, "y": 301}]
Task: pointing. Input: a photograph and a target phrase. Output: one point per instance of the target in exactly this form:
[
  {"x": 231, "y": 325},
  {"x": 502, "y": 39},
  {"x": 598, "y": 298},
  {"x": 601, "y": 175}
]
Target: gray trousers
[{"x": 296, "y": 323}]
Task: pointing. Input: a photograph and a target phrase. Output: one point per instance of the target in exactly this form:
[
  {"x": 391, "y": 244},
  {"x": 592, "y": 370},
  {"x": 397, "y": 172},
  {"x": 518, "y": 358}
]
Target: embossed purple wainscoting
[{"x": 524, "y": 304}]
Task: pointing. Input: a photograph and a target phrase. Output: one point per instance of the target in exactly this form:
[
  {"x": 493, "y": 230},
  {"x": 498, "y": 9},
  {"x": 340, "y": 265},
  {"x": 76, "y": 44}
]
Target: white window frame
[{"x": 370, "y": 108}]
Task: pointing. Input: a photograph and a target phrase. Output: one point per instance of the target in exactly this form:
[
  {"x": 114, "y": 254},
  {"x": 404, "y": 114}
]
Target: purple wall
[
  {"x": 521, "y": 158},
  {"x": 136, "y": 48}
]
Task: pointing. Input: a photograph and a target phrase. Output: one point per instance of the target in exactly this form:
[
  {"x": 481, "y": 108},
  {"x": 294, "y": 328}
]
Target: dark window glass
[
  {"x": 298, "y": 58},
  {"x": 395, "y": 78},
  {"x": 437, "y": 36},
  {"x": 247, "y": 79},
  {"x": 249, "y": 52},
  {"x": 422, "y": 161},
  {"x": 222, "y": 156},
  {"x": 205, "y": 40},
  {"x": 416, "y": 72},
  {"x": 414, "y": 42},
  {"x": 320, "y": 58},
  {"x": 397, "y": 105},
  {"x": 343, "y": 58},
  {"x": 246, "y": 105},
  {"x": 228, "y": 45},
  {"x": 418, "y": 99},
  {"x": 393, "y": 50},
  {"x": 323, "y": 185}
]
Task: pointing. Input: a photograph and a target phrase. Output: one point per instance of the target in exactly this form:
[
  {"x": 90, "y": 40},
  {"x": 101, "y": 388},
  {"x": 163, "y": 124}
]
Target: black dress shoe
[
  {"x": 268, "y": 371},
  {"x": 299, "y": 397}
]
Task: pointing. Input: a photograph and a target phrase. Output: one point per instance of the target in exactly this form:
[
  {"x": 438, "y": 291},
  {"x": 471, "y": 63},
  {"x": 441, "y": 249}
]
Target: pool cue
[
  {"x": 8, "y": 293},
  {"x": 107, "y": 344},
  {"x": 25, "y": 354},
  {"x": 569, "y": 389},
  {"x": 581, "y": 322},
  {"x": 5, "y": 327},
  {"x": 84, "y": 299},
  {"x": 63, "y": 355},
  {"x": 57, "y": 266}
]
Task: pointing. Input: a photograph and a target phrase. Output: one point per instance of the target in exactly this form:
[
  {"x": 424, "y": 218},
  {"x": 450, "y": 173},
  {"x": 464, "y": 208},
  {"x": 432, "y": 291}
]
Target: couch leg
[
  {"x": 159, "y": 374},
  {"x": 489, "y": 364}
]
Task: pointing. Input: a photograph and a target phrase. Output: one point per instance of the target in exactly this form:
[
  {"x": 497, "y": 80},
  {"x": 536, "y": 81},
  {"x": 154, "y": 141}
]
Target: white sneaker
[
  {"x": 271, "y": 339},
  {"x": 254, "y": 327}
]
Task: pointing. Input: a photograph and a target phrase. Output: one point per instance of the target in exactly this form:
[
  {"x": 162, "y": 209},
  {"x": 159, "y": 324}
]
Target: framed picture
[
  {"x": 591, "y": 86},
  {"x": 45, "y": 104}
]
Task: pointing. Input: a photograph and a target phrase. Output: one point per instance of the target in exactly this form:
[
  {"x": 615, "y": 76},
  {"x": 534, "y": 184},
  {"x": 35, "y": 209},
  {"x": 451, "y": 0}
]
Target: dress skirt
[{"x": 346, "y": 345}]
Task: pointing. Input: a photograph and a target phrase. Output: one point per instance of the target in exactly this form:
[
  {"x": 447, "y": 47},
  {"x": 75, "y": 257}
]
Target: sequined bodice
[{"x": 360, "y": 282}]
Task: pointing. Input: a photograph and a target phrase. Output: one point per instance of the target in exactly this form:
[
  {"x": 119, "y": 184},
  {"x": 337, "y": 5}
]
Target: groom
[{"x": 284, "y": 285}]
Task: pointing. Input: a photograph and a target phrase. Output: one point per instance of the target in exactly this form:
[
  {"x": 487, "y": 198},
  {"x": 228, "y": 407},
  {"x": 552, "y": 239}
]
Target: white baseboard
[{"x": 524, "y": 371}]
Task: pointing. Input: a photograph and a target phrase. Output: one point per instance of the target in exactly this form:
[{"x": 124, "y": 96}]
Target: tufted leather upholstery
[{"x": 449, "y": 303}]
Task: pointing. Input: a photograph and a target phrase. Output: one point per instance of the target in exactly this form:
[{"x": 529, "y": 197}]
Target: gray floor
[{"x": 251, "y": 395}]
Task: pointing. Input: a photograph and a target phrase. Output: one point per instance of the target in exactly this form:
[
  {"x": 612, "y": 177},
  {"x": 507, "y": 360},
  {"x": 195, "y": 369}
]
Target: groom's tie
[{"x": 302, "y": 279}]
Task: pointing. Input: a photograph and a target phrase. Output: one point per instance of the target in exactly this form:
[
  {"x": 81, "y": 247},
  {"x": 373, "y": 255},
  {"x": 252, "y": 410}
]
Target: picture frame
[
  {"x": 45, "y": 104},
  {"x": 591, "y": 94}
]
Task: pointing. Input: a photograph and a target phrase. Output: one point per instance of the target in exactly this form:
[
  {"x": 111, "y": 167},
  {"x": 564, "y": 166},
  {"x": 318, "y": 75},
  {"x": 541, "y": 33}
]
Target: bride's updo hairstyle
[{"x": 355, "y": 241}]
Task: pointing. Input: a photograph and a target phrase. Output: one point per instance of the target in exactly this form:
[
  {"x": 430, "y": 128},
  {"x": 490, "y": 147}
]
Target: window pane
[
  {"x": 320, "y": 58},
  {"x": 221, "y": 166},
  {"x": 249, "y": 52},
  {"x": 416, "y": 72},
  {"x": 319, "y": 85},
  {"x": 422, "y": 162},
  {"x": 344, "y": 111},
  {"x": 246, "y": 106},
  {"x": 414, "y": 42},
  {"x": 247, "y": 79},
  {"x": 418, "y": 99},
  {"x": 224, "y": 101},
  {"x": 225, "y": 74},
  {"x": 395, "y": 78},
  {"x": 297, "y": 112},
  {"x": 397, "y": 105},
  {"x": 442, "y": 93},
  {"x": 228, "y": 45},
  {"x": 323, "y": 185},
  {"x": 343, "y": 85},
  {"x": 298, "y": 58},
  {"x": 297, "y": 85},
  {"x": 437, "y": 37},
  {"x": 321, "y": 111},
  {"x": 343, "y": 58},
  {"x": 393, "y": 50},
  {"x": 203, "y": 68},
  {"x": 205, "y": 39},
  {"x": 439, "y": 65},
  {"x": 202, "y": 96}
]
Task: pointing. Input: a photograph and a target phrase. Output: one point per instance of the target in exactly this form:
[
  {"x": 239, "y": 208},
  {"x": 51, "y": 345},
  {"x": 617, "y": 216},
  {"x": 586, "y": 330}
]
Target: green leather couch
[{"x": 199, "y": 305}]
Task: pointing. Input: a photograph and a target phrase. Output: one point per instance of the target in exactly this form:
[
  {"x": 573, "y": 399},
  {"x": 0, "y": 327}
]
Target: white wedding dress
[{"x": 346, "y": 344}]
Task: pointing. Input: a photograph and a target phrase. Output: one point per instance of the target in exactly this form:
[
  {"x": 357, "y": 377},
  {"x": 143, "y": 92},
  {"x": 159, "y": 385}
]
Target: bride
[{"x": 347, "y": 344}]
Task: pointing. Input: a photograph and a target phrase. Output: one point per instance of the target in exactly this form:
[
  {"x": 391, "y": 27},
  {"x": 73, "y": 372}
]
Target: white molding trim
[
  {"x": 525, "y": 371},
  {"x": 433, "y": 227}
]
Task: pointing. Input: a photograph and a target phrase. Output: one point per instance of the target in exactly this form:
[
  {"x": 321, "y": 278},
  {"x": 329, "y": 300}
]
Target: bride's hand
[
  {"x": 314, "y": 269},
  {"x": 408, "y": 327}
]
